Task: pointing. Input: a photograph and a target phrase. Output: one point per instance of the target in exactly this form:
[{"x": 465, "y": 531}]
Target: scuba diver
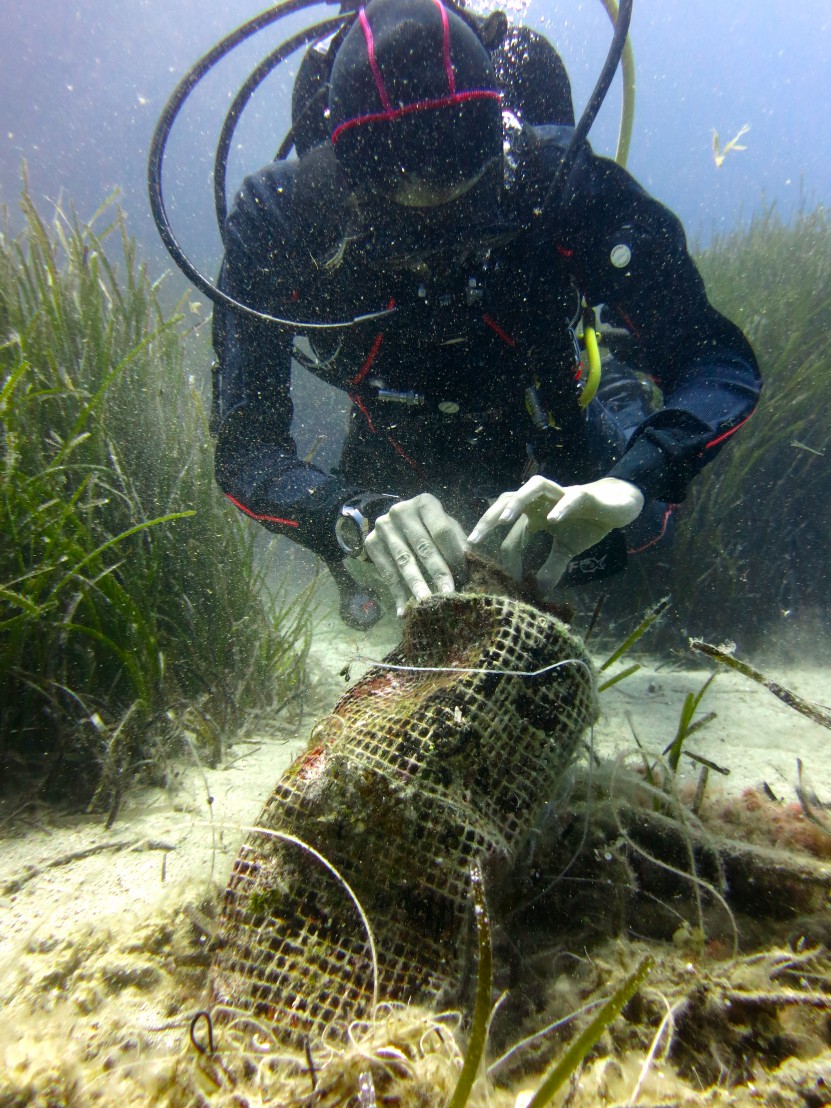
[{"x": 432, "y": 252}]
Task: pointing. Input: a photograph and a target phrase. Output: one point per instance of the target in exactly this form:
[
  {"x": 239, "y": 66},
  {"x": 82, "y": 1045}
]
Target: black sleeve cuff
[
  {"x": 665, "y": 455},
  {"x": 644, "y": 466}
]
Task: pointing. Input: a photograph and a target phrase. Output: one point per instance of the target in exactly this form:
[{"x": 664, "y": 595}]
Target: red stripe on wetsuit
[{"x": 260, "y": 517}]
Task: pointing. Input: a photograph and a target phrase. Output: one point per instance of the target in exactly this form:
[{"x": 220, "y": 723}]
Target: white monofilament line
[
  {"x": 338, "y": 877},
  {"x": 479, "y": 669}
]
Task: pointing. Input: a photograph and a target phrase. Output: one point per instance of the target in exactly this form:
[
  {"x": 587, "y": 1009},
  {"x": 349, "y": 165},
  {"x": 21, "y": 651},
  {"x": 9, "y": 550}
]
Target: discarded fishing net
[{"x": 439, "y": 757}]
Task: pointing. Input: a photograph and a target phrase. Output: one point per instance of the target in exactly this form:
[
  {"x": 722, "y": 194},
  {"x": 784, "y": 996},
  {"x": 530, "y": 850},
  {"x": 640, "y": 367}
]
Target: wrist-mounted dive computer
[{"x": 357, "y": 518}]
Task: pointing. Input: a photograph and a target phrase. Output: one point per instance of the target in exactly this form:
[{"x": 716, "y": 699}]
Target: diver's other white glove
[
  {"x": 576, "y": 517},
  {"x": 417, "y": 548}
]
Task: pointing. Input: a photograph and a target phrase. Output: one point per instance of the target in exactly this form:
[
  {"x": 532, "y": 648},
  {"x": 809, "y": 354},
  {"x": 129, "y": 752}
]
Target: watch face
[{"x": 348, "y": 534}]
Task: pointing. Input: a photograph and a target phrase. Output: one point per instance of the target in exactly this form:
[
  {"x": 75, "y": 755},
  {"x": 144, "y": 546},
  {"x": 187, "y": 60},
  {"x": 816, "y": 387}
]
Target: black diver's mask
[{"x": 441, "y": 235}]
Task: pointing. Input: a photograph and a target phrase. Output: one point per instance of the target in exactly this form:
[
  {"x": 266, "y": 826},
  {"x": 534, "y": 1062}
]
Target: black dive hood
[{"x": 335, "y": 24}]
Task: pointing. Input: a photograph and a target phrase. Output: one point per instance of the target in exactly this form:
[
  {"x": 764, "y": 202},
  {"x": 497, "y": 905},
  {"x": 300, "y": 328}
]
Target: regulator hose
[
  {"x": 161, "y": 135},
  {"x": 554, "y": 197},
  {"x": 302, "y": 38},
  {"x": 627, "y": 109}
]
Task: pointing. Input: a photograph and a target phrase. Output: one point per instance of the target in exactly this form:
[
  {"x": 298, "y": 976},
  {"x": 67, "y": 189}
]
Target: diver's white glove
[
  {"x": 576, "y": 517},
  {"x": 417, "y": 548}
]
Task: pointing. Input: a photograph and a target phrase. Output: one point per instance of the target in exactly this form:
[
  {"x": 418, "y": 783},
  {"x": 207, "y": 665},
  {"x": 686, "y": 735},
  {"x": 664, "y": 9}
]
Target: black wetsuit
[{"x": 440, "y": 388}]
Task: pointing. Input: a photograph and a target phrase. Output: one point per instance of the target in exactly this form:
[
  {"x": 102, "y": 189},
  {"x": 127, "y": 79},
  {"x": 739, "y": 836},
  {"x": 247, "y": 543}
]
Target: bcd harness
[{"x": 452, "y": 311}]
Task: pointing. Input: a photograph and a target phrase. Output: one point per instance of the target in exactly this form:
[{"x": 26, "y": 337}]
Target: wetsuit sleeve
[
  {"x": 256, "y": 460},
  {"x": 630, "y": 253}
]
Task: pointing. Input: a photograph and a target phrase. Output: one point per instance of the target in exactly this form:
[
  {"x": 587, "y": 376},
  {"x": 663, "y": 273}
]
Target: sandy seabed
[{"x": 104, "y": 933}]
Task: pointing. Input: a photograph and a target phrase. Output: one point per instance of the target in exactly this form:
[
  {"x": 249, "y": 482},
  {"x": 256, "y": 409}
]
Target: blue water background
[{"x": 82, "y": 83}]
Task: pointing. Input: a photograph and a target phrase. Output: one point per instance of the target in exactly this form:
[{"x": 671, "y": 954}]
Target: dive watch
[{"x": 357, "y": 518}]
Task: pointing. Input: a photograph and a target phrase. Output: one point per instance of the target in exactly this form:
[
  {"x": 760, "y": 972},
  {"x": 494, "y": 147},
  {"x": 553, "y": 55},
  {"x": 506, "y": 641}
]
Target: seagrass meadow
[
  {"x": 130, "y": 596},
  {"x": 757, "y": 533},
  {"x": 133, "y": 618},
  {"x": 495, "y": 851},
  {"x": 623, "y": 927}
]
